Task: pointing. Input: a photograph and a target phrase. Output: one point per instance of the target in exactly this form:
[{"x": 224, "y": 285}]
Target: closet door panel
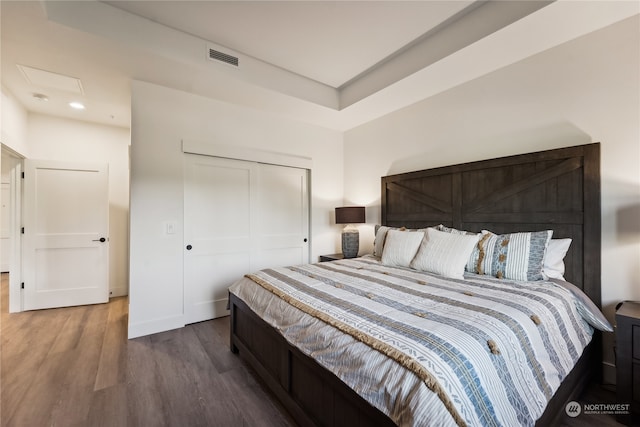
[
  {"x": 282, "y": 217},
  {"x": 217, "y": 232}
]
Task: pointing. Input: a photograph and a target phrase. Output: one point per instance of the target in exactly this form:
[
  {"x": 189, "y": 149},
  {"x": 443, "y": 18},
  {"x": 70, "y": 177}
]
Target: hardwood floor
[{"x": 75, "y": 367}]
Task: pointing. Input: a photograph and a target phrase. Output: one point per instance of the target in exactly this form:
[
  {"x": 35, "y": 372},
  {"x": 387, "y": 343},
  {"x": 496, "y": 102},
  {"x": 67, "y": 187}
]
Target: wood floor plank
[
  {"x": 173, "y": 377},
  {"x": 108, "y": 408},
  {"x": 70, "y": 333},
  {"x": 46, "y": 389},
  {"x": 188, "y": 372},
  {"x": 76, "y": 389},
  {"x": 16, "y": 379},
  {"x": 258, "y": 408},
  {"x": 43, "y": 326},
  {"x": 113, "y": 357},
  {"x": 216, "y": 346},
  {"x": 144, "y": 405}
]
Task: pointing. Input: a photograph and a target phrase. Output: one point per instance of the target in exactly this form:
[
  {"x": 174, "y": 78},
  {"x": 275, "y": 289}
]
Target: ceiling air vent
[{"x": 216, "y": 55}]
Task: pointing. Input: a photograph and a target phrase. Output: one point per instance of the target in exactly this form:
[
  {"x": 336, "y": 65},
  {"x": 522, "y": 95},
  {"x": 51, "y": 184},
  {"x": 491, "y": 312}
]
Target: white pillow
[
  {"x": 400, "y": 247},
  {"x": 554, "y": 258},
  {"x": 444, "y": 253}
]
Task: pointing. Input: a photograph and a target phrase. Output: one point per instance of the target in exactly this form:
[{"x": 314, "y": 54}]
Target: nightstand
[
  {"x": 331, "y": 257},
  {"x": 628, "y": 359}
]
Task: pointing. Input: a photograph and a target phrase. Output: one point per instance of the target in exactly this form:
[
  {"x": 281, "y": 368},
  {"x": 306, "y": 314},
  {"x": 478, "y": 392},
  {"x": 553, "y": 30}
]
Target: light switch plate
[{"x": 170, "y": 227}]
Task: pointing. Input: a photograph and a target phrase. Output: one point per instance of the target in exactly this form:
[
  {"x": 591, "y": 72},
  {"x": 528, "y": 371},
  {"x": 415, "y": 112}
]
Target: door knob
[
  {"x": 102, "y": 239},
  {"x": 189, "y": 247},
  {"x": 305, "y": 240}
]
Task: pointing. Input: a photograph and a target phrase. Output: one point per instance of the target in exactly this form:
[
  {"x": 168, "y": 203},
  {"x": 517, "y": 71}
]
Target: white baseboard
[
  {"x": 118, "y": 292},
  {"x": 149, "y": 327}
]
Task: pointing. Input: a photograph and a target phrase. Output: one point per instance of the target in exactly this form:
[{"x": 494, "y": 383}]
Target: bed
[{"x": 556, "y": 189}]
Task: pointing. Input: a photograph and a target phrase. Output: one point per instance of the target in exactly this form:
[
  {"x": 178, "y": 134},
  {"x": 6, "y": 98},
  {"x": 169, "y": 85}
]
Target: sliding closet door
[
  {"x": 217, "y": 230},
  {"x": 281, "y": 217},
  {"x": 239, "y": 217}
]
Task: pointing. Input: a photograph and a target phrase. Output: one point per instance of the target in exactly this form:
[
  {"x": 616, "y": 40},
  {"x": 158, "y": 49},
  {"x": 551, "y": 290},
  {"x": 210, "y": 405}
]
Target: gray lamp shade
[
  {"x": 350, "y": 238},
  {"x": 350, "y": 215}
]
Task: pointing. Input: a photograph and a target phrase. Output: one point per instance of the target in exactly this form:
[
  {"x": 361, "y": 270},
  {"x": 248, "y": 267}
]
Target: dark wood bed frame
[{"x": 555, "y": 189}]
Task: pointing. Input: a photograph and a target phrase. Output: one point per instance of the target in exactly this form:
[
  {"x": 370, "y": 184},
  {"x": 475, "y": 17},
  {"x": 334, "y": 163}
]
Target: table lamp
[{"x": 350, "y": 236}]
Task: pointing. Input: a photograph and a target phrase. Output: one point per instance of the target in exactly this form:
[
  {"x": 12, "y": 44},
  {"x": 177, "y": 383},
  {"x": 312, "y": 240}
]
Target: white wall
[
  {"x": 13, "y": 123},
  {"x": 52, "y": 138},
  {"x": 161, "y": 119},
  {"x": 587, "y": 90}
]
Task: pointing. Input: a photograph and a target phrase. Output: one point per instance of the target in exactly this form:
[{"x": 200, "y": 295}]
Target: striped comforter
[{"x": 478, "y": 352}]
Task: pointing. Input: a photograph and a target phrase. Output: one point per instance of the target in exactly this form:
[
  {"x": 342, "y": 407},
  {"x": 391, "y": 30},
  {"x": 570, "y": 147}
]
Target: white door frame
[
  {"x": 16, "y": 303},
  {"x": 15, "y": 225}
]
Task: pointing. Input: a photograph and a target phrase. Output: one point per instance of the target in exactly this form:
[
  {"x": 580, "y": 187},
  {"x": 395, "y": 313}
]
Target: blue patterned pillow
[
  {"x": 453, "y": 230},
  {"x": 517, "y": 256},
  {"x": 380, "y": 236}
]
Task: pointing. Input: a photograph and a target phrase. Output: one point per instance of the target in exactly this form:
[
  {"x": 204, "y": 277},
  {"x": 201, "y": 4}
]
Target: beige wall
[{"x": 587, "y": 90}]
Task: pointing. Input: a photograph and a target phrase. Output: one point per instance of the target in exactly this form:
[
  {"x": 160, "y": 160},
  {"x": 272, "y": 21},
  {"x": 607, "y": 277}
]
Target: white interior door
[
  {"x": 66, "y": 234},
  {"x": 239, "y": 217}
]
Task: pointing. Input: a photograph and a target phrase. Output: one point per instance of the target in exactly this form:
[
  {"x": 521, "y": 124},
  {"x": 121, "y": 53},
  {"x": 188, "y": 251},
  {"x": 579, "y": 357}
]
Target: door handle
[{"x": 102, "y": 239}]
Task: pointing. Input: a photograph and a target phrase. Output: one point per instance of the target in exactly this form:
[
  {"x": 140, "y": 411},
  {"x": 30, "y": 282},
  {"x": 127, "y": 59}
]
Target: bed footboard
[{"x": 312, "y": 395}]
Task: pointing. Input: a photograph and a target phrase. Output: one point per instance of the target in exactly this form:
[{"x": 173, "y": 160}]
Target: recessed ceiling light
[
  {"x": 77, "y": 105},
  {"x": 40, "y": 97}
]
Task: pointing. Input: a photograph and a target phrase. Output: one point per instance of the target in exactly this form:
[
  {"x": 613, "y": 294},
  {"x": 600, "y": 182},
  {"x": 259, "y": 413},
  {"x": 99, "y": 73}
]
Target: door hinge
[
  {"x": 22, "y": 285},
  {"x": 22, "y": 174},
  {"x": 22, "y": 230}
]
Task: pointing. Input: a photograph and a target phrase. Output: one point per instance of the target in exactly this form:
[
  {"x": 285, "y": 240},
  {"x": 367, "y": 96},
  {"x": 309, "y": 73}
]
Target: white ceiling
[
  {"x": 330, "y": 42},
  {"x": 336, "y": 64}
]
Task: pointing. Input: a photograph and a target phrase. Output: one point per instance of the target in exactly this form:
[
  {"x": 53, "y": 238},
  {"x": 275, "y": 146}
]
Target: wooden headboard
[{"x": 555, "y": 189}]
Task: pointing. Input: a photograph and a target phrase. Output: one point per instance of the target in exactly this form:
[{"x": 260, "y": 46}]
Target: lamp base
[{"x": 350, "y": 243}]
